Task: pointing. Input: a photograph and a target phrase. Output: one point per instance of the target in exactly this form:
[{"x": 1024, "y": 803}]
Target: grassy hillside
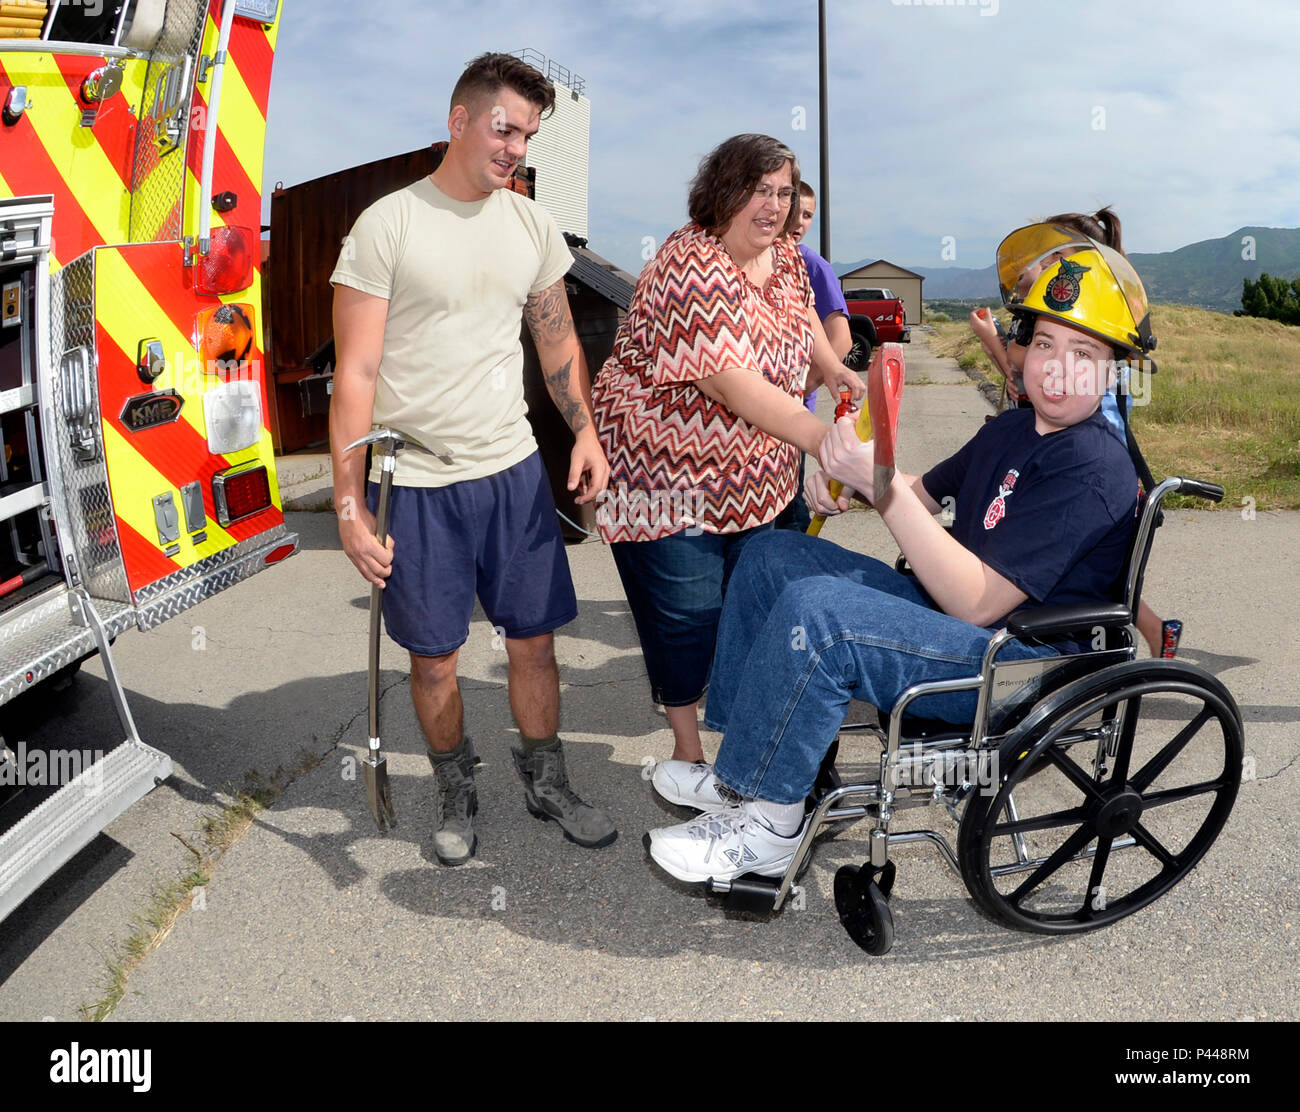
[
  {"x": 1225, "y": 404},
  {"x": 1209, "y": 273}
]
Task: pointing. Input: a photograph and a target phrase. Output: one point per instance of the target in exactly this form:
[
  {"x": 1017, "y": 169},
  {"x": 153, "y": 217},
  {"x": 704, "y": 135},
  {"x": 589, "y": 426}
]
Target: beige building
[
  {"x": 906, "y": 284},
  {"x": 559, "y": 151}
]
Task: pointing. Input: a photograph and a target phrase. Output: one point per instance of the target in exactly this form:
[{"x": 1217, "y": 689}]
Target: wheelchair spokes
[
  {"x": 1069, "y": 850},
  {"x": 1144, "y": 777},
  {"x": 1102, "y": 799},
  {"x": 1085, "y": 783},
  {"x": 1068, "y": 825},
  {"x": 1019, "y": 827}
]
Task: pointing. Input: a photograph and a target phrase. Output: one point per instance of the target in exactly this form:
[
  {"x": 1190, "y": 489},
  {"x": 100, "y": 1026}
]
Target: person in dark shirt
[
  {"x": 1043, "y": 504},
  {"x": 1102, "y": 227}
]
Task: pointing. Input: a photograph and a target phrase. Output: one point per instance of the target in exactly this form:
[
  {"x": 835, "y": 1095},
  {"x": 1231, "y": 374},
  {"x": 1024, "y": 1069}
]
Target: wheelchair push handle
[{"x": 1212, "y": 492}]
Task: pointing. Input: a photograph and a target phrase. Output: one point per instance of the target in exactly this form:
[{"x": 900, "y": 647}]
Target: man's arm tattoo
[
  {"x": 547, "y": 315},
  {"x": 571, "y": 408}
]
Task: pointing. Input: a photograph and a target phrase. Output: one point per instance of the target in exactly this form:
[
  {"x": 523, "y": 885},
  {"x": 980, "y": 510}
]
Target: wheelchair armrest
[{"x": 1046, "y": 623}]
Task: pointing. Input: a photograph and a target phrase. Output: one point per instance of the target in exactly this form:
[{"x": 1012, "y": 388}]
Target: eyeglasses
[{"x": 766, "y": 192}]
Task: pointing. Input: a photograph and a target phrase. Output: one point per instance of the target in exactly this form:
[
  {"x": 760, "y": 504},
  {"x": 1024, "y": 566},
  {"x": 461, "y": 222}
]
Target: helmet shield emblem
[{"x": 1063, "y": 290}]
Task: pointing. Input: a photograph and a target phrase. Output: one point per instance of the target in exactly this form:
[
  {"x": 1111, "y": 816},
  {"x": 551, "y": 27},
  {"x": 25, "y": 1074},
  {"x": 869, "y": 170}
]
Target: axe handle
[{"x": 376, "y": 605}]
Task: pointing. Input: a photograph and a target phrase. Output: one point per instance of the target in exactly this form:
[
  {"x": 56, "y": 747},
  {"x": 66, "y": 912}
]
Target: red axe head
[{"x": 884, "y": 395}]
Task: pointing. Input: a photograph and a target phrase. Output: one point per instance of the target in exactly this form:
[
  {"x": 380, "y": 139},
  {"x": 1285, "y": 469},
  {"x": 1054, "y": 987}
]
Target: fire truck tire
[{"x": 62, "y": 679}]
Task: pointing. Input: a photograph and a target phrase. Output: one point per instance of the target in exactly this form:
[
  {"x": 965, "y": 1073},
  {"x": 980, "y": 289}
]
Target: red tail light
[
  {"x": 228, "y": 265},
  {"x": 240, "y": 492}
]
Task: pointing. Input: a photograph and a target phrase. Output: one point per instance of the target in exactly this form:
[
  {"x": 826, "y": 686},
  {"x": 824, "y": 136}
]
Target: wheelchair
[{"x": 1086, "y": 787}]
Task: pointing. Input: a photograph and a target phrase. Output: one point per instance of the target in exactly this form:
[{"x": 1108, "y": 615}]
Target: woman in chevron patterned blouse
[{"x": 700, "y": 411}]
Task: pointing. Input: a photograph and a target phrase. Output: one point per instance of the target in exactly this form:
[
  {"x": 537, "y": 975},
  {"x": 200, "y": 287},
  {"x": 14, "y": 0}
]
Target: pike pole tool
[{"x": 387, "y": 443}]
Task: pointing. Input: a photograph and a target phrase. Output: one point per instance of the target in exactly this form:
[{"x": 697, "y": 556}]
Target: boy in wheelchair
[{"x": 1043, "y": 503}]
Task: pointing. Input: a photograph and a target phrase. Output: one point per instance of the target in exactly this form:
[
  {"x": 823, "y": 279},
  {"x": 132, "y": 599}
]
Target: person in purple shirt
[{"x": 828, "y": 300}]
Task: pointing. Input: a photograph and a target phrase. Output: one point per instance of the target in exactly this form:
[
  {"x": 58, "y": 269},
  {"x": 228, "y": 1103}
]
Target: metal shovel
[{"x": 387, "y": 442}]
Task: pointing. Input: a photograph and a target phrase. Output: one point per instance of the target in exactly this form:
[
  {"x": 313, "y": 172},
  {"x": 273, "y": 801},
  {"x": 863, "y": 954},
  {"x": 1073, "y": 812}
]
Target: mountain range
[{"x": 1207, "y": 274}]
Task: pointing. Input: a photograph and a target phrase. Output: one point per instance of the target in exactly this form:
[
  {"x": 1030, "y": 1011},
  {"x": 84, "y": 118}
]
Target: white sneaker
[
  {"x": 722, "y": 845},
  {"x": 691, "y": 784}
]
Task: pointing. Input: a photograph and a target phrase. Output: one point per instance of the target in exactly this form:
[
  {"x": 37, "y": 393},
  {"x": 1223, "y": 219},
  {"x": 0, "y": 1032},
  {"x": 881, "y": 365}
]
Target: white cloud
[{"x": 943, "y": 121}]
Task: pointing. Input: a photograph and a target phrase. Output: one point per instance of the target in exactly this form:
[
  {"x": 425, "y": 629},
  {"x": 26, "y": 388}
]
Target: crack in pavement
[{"x": 1275, "y": 775}]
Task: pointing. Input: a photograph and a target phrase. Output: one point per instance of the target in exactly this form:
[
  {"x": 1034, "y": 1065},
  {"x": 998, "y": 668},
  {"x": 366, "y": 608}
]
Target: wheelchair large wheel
[{"x": 1104, "y": 798}]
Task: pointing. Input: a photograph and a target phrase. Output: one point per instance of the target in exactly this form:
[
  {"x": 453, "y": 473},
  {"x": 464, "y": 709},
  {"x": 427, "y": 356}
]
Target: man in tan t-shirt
[{"x": 429, "y": 292}]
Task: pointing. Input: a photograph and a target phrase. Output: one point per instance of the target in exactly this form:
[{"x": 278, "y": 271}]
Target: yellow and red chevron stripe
[
  {"x": 241, "y": 124},
  {"x": 140, "y": 295},
  {"x": 143, "y": 290},
  {"x": 48, "y": 151}
]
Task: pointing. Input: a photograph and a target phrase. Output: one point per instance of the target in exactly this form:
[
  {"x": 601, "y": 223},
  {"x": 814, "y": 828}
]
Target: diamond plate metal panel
[
  {"x": 84, "y": 515},
  {"x": 41, "y": 636},
  {"x": 37, "y": 845},
  {"x": 179, "y": 591},
  {"x": 158, "y": 171}
]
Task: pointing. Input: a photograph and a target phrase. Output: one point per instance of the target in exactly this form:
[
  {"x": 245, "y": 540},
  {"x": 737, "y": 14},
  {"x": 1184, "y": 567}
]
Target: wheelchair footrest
[{"x": 749, "y": 892}]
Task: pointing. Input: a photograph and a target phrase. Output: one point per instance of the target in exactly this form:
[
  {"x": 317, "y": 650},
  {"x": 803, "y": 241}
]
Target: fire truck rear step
[
  {"x": 66, "y": 822},
  {"x": 46, "y": 634}
]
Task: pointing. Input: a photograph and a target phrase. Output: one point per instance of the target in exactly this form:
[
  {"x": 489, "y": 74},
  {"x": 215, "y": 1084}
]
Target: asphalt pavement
[{"x": 313, "y": 915}]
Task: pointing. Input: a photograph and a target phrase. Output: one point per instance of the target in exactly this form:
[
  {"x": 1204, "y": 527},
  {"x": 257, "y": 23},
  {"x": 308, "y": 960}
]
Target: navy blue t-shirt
[{"x": 1053, "y": 514}]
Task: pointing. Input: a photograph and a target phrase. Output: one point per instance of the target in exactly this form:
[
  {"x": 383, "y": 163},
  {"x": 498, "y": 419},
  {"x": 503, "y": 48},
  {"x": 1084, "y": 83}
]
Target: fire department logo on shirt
[{"x": 998, "y": 507}]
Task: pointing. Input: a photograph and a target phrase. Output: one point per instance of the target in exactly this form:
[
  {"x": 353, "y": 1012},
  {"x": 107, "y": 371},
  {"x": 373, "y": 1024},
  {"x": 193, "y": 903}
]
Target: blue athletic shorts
[{"x": 497, "y": 538}]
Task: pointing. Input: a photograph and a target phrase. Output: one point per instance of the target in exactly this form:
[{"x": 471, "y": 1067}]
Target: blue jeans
[
  {"x": 675, "y": 586},
  {"x": 796, "y": 515},
  {"x": 807, "y": 626}
]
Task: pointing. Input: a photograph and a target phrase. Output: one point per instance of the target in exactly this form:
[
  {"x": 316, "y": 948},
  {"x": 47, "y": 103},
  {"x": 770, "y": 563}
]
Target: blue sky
[{"x": 947, "y": 120}]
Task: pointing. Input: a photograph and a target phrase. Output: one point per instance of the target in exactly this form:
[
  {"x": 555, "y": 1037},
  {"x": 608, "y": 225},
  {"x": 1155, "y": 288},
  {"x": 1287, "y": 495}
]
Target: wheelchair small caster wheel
[
  {"x": 863, "y": 909},
  {"x": 754, "y": 894}
]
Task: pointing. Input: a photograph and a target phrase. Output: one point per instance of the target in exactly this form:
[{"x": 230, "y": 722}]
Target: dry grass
[
  {"x": 218, "y": 831},
  {"x": 1225, "y": 404}
]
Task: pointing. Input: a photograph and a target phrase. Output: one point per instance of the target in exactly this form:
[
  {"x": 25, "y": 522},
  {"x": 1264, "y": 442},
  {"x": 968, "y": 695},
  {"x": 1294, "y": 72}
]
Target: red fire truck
[{"x": 136, "y": 469}]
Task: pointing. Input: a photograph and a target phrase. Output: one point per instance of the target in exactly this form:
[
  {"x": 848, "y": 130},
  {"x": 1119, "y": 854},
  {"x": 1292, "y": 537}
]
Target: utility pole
[{"x": 824, "y": 200}]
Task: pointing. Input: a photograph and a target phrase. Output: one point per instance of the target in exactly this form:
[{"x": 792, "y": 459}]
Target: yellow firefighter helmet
[{"x": 1048, "y": 270}]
